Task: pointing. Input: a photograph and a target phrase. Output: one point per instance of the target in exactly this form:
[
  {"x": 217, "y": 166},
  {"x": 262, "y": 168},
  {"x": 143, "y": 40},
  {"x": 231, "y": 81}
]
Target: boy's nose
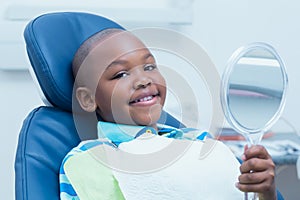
[{"x": 142, "y": 82}]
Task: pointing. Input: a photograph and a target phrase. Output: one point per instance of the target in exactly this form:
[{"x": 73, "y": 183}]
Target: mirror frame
[{"x": 239, "y": 53}]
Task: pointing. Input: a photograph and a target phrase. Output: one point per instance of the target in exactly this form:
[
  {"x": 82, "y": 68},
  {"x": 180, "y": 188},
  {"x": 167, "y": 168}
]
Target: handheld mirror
[{"x": 253, "y": 90}]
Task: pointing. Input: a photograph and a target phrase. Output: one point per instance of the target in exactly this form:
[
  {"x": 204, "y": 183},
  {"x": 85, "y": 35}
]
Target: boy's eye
[
  {"x": 150, "y": 67},
  {"x": 120, "y": 75}
]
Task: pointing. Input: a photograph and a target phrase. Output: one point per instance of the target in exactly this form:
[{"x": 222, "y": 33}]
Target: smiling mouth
[{"x": 144, "y": 99}]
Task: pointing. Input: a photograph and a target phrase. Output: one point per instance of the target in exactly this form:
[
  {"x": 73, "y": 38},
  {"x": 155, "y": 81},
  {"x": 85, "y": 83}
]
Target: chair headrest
[{"x": 51, "y": 42}]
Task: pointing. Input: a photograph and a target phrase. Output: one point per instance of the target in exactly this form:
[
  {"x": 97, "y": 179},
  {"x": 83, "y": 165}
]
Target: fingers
[
  {"x": 259, "y": 182},
  {"x": 257, "y": 177},
  {"x": 257, "y": 165},
  {"x": 262, "y": 188},
  {"x": 257, "y": 171},
  {"x": 257, "y": 151}
]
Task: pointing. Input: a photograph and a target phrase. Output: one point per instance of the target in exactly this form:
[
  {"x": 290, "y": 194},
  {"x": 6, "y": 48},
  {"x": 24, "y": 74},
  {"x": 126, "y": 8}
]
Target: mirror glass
[{"x": 253, "y": 90}]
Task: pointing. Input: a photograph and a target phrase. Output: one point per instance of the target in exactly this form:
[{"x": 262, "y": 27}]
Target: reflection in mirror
[
  {"x": 253, "y": 90},
  {"x": 256, "y": 84}
]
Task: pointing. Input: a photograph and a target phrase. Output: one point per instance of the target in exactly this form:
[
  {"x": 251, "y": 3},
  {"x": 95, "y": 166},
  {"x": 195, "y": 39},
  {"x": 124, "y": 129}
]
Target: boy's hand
[{"x": 257, "y": 173}]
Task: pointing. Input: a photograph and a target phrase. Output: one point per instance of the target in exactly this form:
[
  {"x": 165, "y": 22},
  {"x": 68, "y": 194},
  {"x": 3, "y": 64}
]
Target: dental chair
[{"x": 49, "y": 132}]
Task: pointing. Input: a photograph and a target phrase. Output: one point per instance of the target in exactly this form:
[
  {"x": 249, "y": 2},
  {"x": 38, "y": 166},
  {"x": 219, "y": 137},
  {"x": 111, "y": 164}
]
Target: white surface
[
  {"x": 223, "y": 26},
  {"x": 16, "y": 14},
  {"x": 210, "y": 177}
]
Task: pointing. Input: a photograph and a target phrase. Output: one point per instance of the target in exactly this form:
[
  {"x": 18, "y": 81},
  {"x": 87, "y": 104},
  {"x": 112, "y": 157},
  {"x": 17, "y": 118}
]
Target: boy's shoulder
[{"x": 83, "y": 147}]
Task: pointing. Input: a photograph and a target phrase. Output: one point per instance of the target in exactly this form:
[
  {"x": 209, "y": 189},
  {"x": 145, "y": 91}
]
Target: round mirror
[{"x": 253, "y": 90}]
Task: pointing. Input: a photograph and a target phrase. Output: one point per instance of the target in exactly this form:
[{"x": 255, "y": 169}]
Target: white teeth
[{"x": 148, "y": 98}]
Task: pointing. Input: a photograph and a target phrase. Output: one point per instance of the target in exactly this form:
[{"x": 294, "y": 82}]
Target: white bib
[{"x": 167, "y": 169}]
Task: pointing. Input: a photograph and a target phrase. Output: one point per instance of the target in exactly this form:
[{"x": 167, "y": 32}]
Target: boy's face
[{"x": 130, "y": 89}]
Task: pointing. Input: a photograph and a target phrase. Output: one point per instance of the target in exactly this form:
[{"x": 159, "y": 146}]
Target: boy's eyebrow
[
  {"x": 123, "y": 62},
  {"x": 148, "y": 55},
  {"x": 116, "y": 62}
]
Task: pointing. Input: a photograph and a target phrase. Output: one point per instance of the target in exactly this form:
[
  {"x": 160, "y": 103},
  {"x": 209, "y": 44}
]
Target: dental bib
[
  {"x": 154, "y": 167},
  {"x": 195, "y": 173}
]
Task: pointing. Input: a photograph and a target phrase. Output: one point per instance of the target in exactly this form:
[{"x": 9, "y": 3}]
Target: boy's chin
[
  {"x": 150, "y": 120},
  {"x": 141, "y": 117}
]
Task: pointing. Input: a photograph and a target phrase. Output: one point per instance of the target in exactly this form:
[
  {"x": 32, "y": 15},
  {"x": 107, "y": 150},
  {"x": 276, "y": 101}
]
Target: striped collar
[{"x": 118, "y": 133}]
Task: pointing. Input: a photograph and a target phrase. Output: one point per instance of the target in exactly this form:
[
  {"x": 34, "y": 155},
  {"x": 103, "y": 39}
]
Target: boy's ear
[{"x": 86, "y": 99}]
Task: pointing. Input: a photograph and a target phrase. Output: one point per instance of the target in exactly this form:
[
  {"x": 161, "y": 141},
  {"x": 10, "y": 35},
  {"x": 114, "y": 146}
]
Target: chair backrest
[{"x": 49, "y": 132}]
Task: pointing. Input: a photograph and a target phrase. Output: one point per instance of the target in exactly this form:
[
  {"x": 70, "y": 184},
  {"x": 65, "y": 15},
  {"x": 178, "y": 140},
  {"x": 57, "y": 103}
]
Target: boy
[{"x": 136, "y": 158}]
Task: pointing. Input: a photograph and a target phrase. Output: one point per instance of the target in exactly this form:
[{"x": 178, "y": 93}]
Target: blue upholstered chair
[{"x": 49, "y": 132}]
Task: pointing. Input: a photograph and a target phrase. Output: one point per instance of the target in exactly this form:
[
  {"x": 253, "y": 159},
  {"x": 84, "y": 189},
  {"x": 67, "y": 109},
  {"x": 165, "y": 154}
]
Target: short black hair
[{"x": 87, "y": 46}]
